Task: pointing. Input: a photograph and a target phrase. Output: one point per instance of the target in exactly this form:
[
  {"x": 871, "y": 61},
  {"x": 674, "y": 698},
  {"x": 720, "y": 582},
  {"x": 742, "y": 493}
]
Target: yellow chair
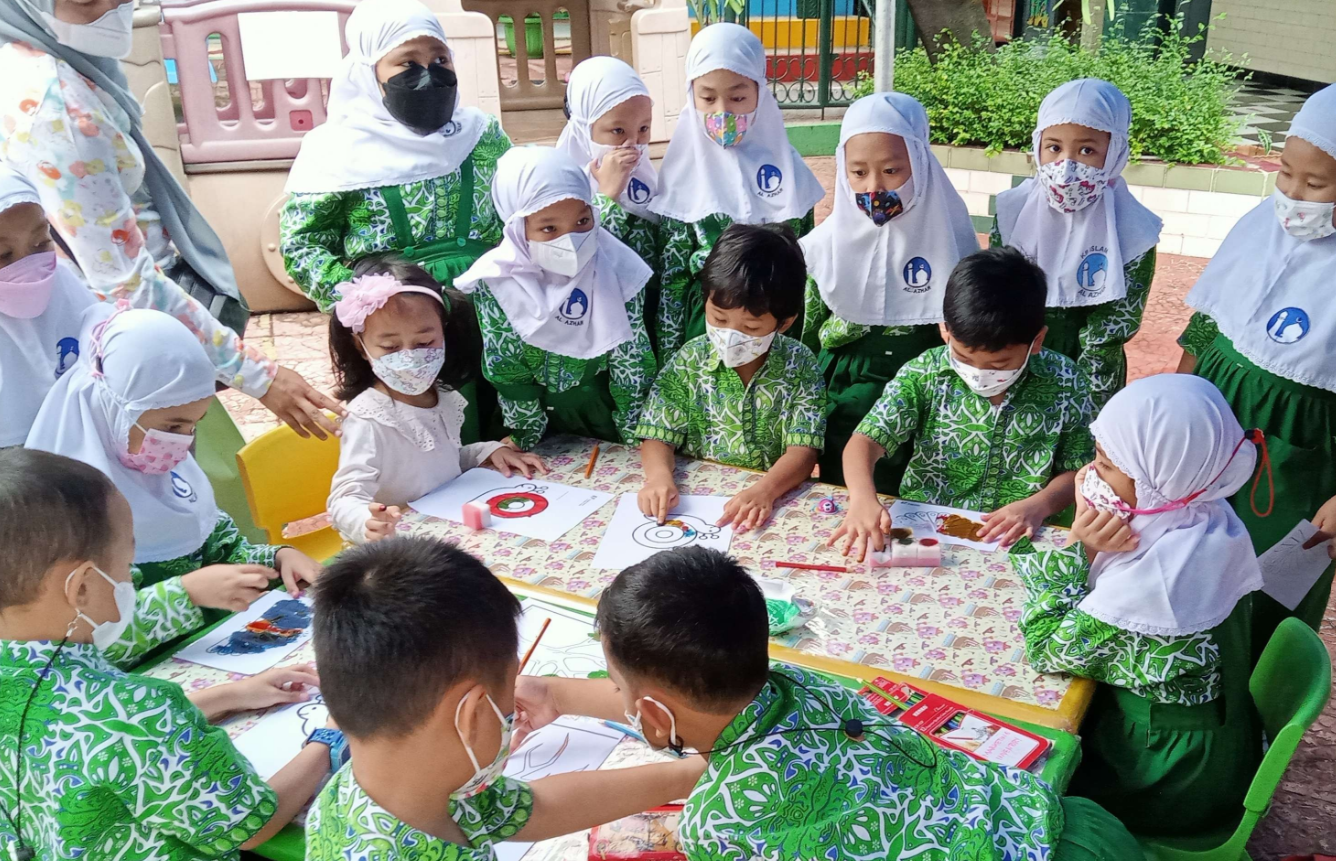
[{"x": 287, "y": 479}]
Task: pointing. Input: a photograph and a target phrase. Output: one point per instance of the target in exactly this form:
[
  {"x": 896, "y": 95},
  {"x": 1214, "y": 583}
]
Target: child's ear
[
  {"x": 75, "y": 585},
  {"x": 657, "y": 723},
  {"x": 945, "y": 333},
  {"x": 468, "y": 717},
  {"x": 1038, "y": 342},
  {"x": 784, "y": 325}
]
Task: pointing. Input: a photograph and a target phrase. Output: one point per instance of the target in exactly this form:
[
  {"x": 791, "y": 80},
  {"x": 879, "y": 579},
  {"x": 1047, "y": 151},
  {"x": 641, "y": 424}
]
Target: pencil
[
  {"x": 536, "y": 641},
  {"x": 806, "y": 567},
  {"x": 593, "y": 459}
]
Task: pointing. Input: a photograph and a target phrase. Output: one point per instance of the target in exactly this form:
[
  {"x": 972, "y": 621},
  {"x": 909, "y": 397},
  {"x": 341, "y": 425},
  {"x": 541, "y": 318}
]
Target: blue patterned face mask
[{"x": 880, "y": 206}]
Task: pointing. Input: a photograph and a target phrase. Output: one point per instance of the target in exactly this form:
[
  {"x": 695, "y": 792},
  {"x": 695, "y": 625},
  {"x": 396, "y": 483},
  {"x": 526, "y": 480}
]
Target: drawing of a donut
[
  {"x": 517, "y": 503},
  {"x": 673, "y": 532}
]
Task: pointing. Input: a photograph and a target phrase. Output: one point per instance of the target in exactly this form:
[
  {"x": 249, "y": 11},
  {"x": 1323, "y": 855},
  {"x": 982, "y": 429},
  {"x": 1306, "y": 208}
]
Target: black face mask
[{"x": 423, "y": 99}]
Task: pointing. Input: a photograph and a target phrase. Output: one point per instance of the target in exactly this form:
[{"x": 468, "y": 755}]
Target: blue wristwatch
[{"x": 337, "y": 744}]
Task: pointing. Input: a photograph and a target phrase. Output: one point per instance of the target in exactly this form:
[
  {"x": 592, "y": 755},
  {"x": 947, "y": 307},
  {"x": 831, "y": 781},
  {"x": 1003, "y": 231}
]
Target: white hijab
[
  {"x": 761, "y": 180},
  {"x": 595, "y": 87},
  {"x": 361, "y": 145},
  {"x": 1082, "y": 253},
  {"x": 150, "y": 361},
  {"x": 582, "y": 317},
  {"x": 893, "y": 275},
  {"x": 1173, "y": 434},
  {"x": 1270, "y": 293}
]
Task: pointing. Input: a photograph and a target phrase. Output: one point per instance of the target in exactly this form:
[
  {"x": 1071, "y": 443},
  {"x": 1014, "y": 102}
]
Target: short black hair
[
  {"x": 758, "y": 267},
  {"x": 400, "y": 621},
  {"x": 459, "y": 322},
  {"x": 692, "y": 620},
  {"x": 995, "y": 299},
  {"x": 52, "y": 509}
]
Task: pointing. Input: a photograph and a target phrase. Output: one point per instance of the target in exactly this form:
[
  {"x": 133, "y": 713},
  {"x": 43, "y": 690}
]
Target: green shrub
[{"x": 1180, "y": 110}]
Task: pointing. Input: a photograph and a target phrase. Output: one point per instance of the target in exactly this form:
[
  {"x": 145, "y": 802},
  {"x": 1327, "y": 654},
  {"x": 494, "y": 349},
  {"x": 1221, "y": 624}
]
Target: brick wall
[{"x": 1283, "y": 37}]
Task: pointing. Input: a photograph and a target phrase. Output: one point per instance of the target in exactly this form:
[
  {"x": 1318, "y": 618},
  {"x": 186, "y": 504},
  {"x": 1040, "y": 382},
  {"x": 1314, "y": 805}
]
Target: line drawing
[{"x": 680, "y": 530}]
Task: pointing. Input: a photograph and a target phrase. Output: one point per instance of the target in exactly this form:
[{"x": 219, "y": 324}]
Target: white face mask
[
  {"x": 106, "y": 633},
  {"x": 409, "y": 372},
  {"x": 1304, "y": 219},
  {"x": 601, "y": 151},
  {"x": 738, "y": 348},
  {"x": 637, "y": 722},
  {"x": 111, "y": 36},
  {"x": 566, "y": 255},
  {"x": 1100, "y": 494},
  {"x": 986, "y": 383},
  {"x": 485, "y": 777},
  {"x": 1071, "y": 185}
]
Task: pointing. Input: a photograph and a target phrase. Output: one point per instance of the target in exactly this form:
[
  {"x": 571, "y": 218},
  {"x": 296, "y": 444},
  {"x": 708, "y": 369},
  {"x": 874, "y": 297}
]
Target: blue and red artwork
[{"x": 281, "y": 624}]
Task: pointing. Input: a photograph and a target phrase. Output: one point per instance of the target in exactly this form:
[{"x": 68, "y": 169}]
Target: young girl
[
  {"x": 402, "y": 346},
  {"x": 1078, "y": 220},
  {"x": 1156, "y": 609},
  {"x": 561, "y": 307},
  {"x": 1265, "y": 334},
  {"x": 729, "y": 160},
  {"x": 130, "y": 408},
  {"x": 878, "y": 266}
]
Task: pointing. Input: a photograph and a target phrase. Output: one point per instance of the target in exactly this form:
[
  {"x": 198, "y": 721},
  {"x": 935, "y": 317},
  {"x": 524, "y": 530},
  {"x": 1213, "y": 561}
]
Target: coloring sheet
[
  {"x": 278, "y": 736},
  {"x": 947, "y": 525},
  {"x": 569, "y": 647},
  {"x": 633, "y": 537},
  {"x": 530, "y": 507},
  {"x": 257, "y": 638},
  {"x": 1288, "y": 570}
]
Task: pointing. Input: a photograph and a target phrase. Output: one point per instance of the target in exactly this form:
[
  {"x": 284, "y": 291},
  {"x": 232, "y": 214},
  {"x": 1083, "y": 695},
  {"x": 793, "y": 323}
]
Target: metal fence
[{"x": 815, "y": 49}]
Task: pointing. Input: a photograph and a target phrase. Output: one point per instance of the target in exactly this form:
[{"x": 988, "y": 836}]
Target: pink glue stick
[
  {"x": 911, "y": 553},
  {"x": 477, "y": 516}
]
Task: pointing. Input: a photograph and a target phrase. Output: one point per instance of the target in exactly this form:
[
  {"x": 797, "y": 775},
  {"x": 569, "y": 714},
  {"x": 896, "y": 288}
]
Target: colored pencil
[
  {"x": 623, "y": 729},
  {"x": 806, "y": 567},
  {"x": 536, "y": 641},
  {"x": 593, "y": 459}
]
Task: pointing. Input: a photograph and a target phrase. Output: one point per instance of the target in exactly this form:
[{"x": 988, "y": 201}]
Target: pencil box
[{"x": 648, "y": 836}]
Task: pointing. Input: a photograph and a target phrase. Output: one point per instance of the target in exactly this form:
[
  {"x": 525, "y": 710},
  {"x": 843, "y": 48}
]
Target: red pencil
[
  {"x": 807, "y": 567},
  {"x": 536, "y": 640}
]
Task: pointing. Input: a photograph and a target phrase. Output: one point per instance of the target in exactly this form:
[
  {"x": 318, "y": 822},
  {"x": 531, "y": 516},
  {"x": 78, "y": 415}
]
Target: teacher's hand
[{"x": 301, "y": 407}]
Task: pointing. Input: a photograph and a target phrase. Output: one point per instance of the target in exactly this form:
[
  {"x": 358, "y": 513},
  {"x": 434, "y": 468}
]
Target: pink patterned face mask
[
  {"x": 1071, "y": 185},
  {"x": 159, "y": 453}
]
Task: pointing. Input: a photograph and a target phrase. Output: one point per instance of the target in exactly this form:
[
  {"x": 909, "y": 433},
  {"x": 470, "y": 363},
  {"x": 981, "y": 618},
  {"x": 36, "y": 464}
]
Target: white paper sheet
[
  {"x": 568, "y": 649},
  {"x": 283, "y": 45},
  {"x": 924, "y": 520},
  {"x": 530, "y": 507},
  {"x": 632, "y": 537},
  {"x": 233, "y": 648},
  {"x": 1288, "y": 570},
  {"x": 278, "y": 736}
]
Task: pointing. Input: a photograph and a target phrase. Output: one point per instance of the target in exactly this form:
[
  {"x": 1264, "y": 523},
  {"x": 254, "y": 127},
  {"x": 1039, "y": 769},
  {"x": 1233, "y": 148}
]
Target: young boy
[
  {"x": 785, "y": 780},
  {"x": 742, "y": 393},
  {"x": 417, "y": 642},
  {"x": 998, "y": 423},
  {"x": 97, "y": 763}
]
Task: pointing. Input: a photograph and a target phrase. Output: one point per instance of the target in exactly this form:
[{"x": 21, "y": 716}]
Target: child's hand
[
  {"x": 508, "y": 460},
  {"x": 227, "y": 587},
  {"x": 657, "y": 498},
  {"x": 1011, "y": 523},
  {"x": 615, "y": 171},
  {"x": 382, "y": 521},
  {"x": 535, "y": 707},
  {"x": 749, "y": 509},
  {"x": 1102, "y": 531},
  {"x": 278, "y": 686},
  {"x": 1325, "y": 521},
  {"x": 295, "y": 567},
  {"x": 864, "y": 527}
]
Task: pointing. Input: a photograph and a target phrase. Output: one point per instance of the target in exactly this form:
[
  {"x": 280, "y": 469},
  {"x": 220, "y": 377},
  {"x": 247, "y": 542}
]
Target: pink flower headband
[{"x": 367, "y": 294}]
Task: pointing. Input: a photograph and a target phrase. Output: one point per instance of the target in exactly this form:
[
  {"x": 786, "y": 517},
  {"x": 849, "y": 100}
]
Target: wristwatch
[{"x": 335, "y": 741}]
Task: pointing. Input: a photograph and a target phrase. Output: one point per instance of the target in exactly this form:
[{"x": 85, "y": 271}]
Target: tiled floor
[{"x": 1266, "y": 112}]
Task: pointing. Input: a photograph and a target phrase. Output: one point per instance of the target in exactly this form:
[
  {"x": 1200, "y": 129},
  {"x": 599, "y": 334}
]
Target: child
[
  {"x": 1265, "y": 334},
  {"x": 561, "y": 307},
  {"x": 729, "y": 160},
  {"x": 98, "y": 763},
  {"x": 686, "y": 636},
  {"x": 877, "y": 267},
  {"x": 1094, "y": 240},
  {"x": 998, "y": 423},
  {"x": 425, "y": 626},
  {"x": 129, "y": 408},
  {"x": 390, "y": 338},
  {"x": 743, "y": 393},
  {"x": 1164, "y": 627}
]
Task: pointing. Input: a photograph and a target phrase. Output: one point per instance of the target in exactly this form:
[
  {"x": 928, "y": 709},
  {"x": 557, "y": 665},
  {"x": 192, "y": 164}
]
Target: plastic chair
[
  {"x": 1290, "y": 686},
  {"x": 287, "y": 478}
]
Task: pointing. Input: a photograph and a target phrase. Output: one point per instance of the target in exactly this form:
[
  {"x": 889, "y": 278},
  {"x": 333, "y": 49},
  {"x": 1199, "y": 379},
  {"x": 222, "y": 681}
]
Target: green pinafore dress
[{"x": 585, "y": 409}]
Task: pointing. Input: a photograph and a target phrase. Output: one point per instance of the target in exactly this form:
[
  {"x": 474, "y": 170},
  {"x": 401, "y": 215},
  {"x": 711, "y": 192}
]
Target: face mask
[
  {"x": 880, "y": 206},
  {"x": 159, "y": 453},
  {"x": 566, "y": 255},
  {"x": 600, "y": 151},
  {"x": 110, "y": 36},
  {"x": 1101, "y": 495},
  {"x": 727, "y": 129},
  {"x": 422, "y": 98},
  {"x": 738, "y": 348},
  {"x": 986, "y": 383},
  {"x": 484, "y": 777},
  {"x": 26, "y": 285},
  {"x": 637, "y": 721},
  {"x": 1071, "y": 186},
  {"x": 1304, "y": 219},
  {"x": 409, "y": 372},
  {"x": 107, "y": 633}
]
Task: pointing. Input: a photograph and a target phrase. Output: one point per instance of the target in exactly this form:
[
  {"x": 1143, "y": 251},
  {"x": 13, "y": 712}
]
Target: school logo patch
[
  {"x": 637, "y": 191},
  {"x": 67, "y": 353},
  {"x": 769, "y": 179},
  {"x": 451, "y": 129},
  {"x": 1092, "y": 273},
  {"x": 182, "y": 489},
  {"x": 918, "y": 276},
  {"x": 1288, "y": 326},
  {"x": 574, "y": 310}
]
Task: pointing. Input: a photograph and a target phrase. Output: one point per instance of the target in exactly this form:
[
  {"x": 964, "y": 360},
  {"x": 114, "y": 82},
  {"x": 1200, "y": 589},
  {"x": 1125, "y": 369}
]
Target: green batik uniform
[
  {"x": 1172, "y": 726},
  {"x": 1300, "y": 426},
  {"x": 118, "y": 766},
  {"x": 971, "y": 454},
  {"x": 642, "y": 236},
  {"x": 857, "y": 362},
  {"x": 700, "y": 406},
  {"x": 684, "y": 248},
  {"x": 1096, "y": 336},
  {"x": 541, "y": 391},
  {"x": 775, "y": 793},
  {"x": 164, "y": 615},
  {"x": 345, "y": 823}
]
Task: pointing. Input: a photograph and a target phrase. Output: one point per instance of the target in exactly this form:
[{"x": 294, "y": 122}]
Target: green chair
[{"x": 1291, "y": 686}]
